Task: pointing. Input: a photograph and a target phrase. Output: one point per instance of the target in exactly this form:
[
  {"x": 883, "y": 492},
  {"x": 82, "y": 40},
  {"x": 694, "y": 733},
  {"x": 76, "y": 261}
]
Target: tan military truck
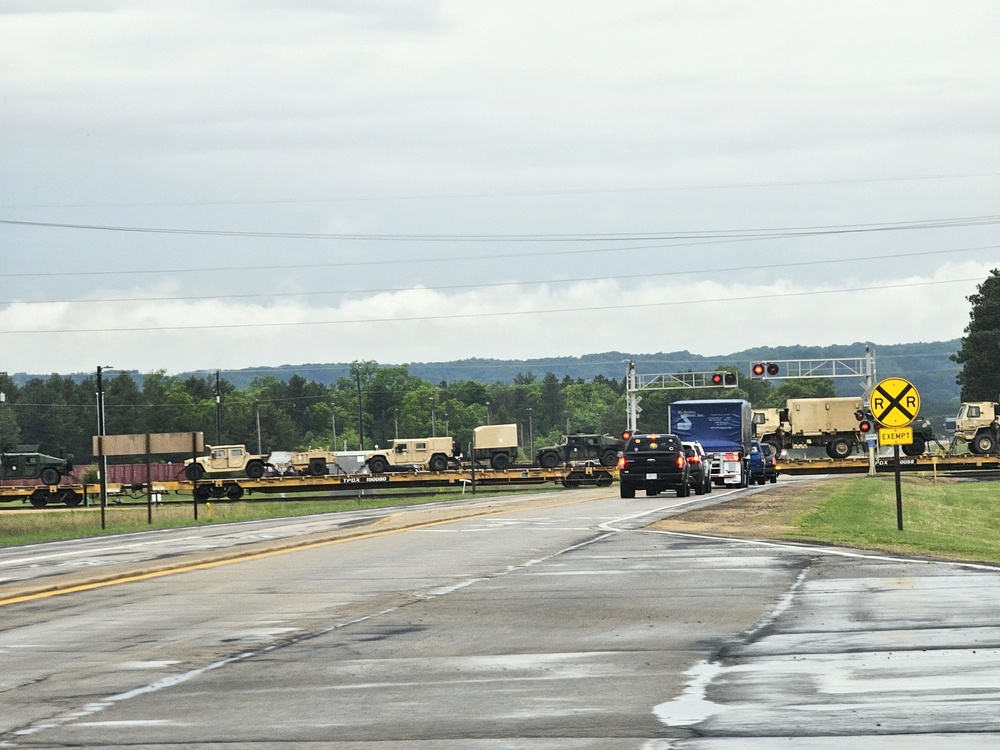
[
  {"x": 977, "y": 425},
  {"x": 224, "y": 461},
  {"x": 804, "y": 422},
  {"x": 496, "y": 443},
  {"x": 428, "y": 453}
]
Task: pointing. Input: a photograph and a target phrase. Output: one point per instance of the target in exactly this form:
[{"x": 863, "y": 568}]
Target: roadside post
[{"x": 895, "y": 403}]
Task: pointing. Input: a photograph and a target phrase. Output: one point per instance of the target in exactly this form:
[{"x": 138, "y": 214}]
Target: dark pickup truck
[{"x": 653, "y": 462}]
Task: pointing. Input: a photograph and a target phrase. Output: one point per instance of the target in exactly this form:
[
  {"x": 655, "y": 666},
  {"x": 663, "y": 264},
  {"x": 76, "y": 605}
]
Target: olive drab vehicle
[
  {"x": 25, "y": 462},
  {"x": 226, "y": 461},
  {"x": 581, "y": 448}
]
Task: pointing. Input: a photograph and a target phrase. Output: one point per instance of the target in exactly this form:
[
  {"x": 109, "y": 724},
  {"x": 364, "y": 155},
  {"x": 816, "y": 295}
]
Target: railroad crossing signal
[{"x": 894, "y": 402}]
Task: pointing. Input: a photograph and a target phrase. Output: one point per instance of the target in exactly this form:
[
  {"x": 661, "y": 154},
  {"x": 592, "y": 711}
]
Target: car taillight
[
  {"x": 681, "y": 460},
  {"x": 621, "y": 462},
  {"x": 694, "y": 460},
  {"x": 732, "y": 457}
]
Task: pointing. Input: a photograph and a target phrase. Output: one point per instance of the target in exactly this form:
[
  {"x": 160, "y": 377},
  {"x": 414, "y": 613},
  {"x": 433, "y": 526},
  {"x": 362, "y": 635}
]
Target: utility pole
[
  {"x": 361, "y": 426},
  {"x": 218, "y": 410},
  {"x": 102, "y": 459}
]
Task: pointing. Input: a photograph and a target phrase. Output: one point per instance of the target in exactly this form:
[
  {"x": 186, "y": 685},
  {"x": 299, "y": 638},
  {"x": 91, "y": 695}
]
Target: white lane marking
[{"x": 836, "y": 552}]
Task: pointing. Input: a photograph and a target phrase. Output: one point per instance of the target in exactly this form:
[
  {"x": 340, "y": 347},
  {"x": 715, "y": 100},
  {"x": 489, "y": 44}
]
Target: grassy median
[{"x": 948, "y": 519}]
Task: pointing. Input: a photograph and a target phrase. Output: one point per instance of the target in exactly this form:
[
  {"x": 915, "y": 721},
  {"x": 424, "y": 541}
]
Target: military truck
[
  {"x": 224, "y": 461},
  {"x": 428, "y": 453},
  {"x": 977, "y": 425},
  {"x": 496, "y": 443},
  {"x": 581, "y": 448},
  {"x": 25, "y": 462},
  {"x": 832, "y": 423}
]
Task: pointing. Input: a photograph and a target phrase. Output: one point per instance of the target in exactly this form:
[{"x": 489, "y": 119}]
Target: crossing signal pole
[{"x": 668, "y": 381}]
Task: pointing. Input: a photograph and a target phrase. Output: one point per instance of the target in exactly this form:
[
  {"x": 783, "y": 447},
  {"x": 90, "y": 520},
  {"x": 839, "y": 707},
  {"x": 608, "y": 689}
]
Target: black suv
[{"x": 653, "y": 463}]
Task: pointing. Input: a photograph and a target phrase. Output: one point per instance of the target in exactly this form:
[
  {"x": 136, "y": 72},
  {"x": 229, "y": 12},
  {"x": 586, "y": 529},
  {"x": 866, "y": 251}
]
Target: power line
[
  {"x": 491, "y": 285},
  {"x": 466, "y": 316},
  {"x": 512, "y": 194},
  {"x": 764, "y": 233}
]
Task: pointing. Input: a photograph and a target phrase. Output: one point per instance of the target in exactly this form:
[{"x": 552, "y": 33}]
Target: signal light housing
[
  {"x": 865, "y": 426},
  {"x": 717, "y": 378},
  {"x": 772, "y": 369},
  {"x": 759, "y": 369}
]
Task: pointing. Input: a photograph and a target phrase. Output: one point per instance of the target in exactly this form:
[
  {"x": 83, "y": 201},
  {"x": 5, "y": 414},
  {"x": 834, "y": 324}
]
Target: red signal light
[
  {"x": 865, "y": 426},
  {"x": 717, "y": 378},
  {"x": 772, "y": 369},
  {"x": 758, "y": 369},
  {"x": 859, "y": 415}
]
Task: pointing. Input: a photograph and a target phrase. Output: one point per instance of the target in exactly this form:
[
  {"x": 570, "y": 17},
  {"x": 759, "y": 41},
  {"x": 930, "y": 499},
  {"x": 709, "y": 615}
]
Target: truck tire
[
  {"x": 983, "y": 444},
  {"x": 627, "y": 491},
  {"x": 438, "y": 462},
  {"x": 500, "y": 461},
  {"x": 317, "y": 467},
  {"x": 609, "y": 458},
  {"x": 840, "y": 448},
  {"x": 378, "y": 465},
  {"x": 550, "y": 460},
  {"x": 683, "y": 491},
  {"x": 255, "y": 469},
  {"x": 194, "y": 472},
  {"x": 916, "y": 448},
  {"x": 50, "y": 475}
]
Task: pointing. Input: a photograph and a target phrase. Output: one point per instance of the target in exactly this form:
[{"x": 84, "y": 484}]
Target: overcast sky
[{"x": 219, "y": 185}]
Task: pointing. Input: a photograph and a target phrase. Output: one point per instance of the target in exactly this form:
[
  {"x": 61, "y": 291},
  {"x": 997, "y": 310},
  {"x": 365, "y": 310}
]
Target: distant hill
[{"x": 927, "y": 365}]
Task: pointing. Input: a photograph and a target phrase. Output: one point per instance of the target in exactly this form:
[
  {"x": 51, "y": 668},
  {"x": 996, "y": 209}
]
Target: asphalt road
[{"x": 558, "y": 622}]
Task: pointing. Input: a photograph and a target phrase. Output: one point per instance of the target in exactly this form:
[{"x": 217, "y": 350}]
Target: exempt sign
[{"x": 896, "y": 436}]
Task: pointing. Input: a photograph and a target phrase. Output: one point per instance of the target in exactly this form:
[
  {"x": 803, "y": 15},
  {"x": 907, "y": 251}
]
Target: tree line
[{"x": 375, "y": 404}]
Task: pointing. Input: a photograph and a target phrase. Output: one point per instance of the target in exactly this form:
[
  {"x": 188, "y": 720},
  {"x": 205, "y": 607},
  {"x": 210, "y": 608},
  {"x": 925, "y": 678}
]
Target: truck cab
[
  {"x": 226, "y": 461},
  {"x": 976, "y": 424},
  {"x": 581, "y": 448},
  {"x": 25, "y": 462},
  {"x": 429, "y": 453}
]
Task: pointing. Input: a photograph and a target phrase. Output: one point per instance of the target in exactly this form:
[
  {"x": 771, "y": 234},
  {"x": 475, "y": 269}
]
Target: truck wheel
[
  {"x": 378, "y": 465},
  {"x": 49, "y": 475},
  {"x": 627, "y": 491},
  {"x": 840, "y": 448},
  {"x": 194, "y": 472},
  {"x": 550, "y": 461},
  {"x": 70, "y": 498},
  {"x": 500, "y": 461},
  {"x": 317, "y": 467},
  {"x": 255, "y": 469},
  {"x": 683, "y": 491},
  {"x": 438, "y": 463},
  {"x": 609, "y": 458},
  {"x": 983, "y": 444}
]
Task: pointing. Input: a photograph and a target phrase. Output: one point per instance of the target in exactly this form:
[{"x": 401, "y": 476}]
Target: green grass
[
  {"x": 955, "y": 520},
  {"x": 31, "y": 526}
]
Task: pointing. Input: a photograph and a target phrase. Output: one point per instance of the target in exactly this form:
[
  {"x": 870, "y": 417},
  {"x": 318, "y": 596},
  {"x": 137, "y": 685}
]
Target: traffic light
[
  {"x": 864, "y": 420},
  {"x": 770, "y": 368},
  {"x": 717, "y": 378},
  {"x": 724, "y": 378},
  {"x": 730, "y": 378}
]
